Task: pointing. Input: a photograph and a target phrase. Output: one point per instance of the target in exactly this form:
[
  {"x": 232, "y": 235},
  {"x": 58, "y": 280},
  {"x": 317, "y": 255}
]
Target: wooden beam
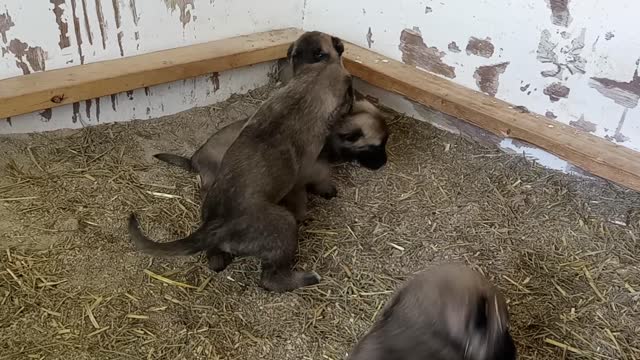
[
  {"x": 44, "y": 90},
  {"x": 589, "y": 152}
]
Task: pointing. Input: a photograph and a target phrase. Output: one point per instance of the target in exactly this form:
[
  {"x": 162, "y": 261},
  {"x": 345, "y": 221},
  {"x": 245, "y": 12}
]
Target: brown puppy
[
  {"x": 277, "y": 145},
  {"x": 361, "y": 137},
  {"x": 446, "y": 312}
]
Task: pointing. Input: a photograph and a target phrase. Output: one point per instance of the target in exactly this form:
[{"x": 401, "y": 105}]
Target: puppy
[
  {"x": 446, "y": 312},
  {"x": 360, "y": 137},
  {"x": 277, "y": 146}
]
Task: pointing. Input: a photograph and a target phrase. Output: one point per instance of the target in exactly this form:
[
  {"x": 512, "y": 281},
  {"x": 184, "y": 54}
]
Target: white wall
[
  {"x": 595, "y": 43},
  {"x": 44, "y": 35}
]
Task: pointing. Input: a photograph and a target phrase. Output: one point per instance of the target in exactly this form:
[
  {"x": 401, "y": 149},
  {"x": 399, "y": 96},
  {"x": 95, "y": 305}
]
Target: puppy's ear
[
  {"x": 338, "y": 45},
  {"x": 290, "y": 51}
]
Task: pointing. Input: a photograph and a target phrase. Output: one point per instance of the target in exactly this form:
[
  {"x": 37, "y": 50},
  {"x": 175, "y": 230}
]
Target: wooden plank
[
  {"x": 589, "y": 152},
  {"x": 44, "y": 90}
]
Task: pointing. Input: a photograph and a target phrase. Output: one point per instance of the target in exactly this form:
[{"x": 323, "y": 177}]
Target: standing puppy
[
  {"x": 444, "y": 313},
  {"x": 277, "y": 145}
]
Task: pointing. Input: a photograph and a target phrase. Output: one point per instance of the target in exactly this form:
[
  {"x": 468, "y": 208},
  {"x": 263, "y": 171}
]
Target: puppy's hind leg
[{"x": 270, "y": 234}]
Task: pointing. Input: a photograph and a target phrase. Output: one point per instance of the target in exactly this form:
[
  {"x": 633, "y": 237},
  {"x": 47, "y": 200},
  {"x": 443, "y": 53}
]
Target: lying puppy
[
  {"x": 277, "y": 146},
  {"x": 447, "y": 312}
]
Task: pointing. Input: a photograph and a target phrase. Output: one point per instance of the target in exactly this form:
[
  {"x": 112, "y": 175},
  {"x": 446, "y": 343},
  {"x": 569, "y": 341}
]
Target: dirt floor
[{"x": 563, "y": 249}]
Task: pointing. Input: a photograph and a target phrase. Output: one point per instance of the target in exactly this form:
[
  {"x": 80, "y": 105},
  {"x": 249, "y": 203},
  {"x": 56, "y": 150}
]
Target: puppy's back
[{"x": 446, "y": 312}]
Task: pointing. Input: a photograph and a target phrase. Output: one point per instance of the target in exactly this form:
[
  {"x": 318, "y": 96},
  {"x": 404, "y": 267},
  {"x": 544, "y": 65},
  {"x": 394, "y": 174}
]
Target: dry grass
[{"x": 564, "y": 250}]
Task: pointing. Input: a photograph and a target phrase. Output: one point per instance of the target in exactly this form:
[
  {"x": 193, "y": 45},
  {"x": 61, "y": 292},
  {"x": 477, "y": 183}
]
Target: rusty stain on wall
[
  {"x": 415, "y": 52},
  {"x": 488, "y": 77},
  {"x": 560, "y": 14},
  {"x": 626, "y": 94},
  {"x": 583, "y": 125},
  {"x": 567, "y": 58},
  {"x": 5, "y": 24},
  {"x": 369, "y": 37},
  {"x": 185, "y": 14},
  {"x": 118, "y": 18},
  {"x": 556, "y": 91},
  {"x": 46, "y": 114},
  {"x": 101, "y": 23},
  {"x": 86, "y": 21},
  {"x": 34, "y": 56},
  {"x": 480, "y": 47},
  {"x": 453, "y": 47},
  {"x": 76, "y": 25},
  {"x": 550, "y": 115},
  {"x": 63, "y": 27}
]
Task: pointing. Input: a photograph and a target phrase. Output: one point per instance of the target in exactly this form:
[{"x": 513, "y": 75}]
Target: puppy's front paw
[{"x": 329, "y": 192}]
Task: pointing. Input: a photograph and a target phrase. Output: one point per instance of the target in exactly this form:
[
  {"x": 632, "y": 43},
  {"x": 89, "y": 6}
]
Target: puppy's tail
[
  {"x": 189, "y": 245},
  {"x": 176, "y": 160}
]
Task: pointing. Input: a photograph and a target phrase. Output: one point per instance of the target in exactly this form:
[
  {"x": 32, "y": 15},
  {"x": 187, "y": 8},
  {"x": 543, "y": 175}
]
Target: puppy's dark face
[
  {"x": 488, "y": 339},
  {"x": 362, "y": 138},
  {"x": 314, "y": 47}
]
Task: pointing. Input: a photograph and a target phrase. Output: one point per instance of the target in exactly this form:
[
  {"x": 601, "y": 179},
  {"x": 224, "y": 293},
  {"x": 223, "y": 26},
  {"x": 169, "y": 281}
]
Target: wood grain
[
  {"x": 44, "y": 90},
  {"x": 589, "y": 152}
]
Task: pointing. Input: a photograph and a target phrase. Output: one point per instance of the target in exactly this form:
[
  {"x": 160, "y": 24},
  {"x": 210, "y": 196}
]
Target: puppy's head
[
  {"x": 314, "y": 47},
  {"x": 362, "y": 136},
  {"x": 447, "y": 312}
]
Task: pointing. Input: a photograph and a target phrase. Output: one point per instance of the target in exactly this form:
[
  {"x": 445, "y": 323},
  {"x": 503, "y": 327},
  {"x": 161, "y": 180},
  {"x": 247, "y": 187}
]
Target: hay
[{"x": 564, "y": 250}]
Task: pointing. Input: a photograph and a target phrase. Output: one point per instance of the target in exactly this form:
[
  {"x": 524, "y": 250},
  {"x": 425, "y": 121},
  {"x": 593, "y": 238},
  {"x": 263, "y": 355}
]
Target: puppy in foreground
[
  {"x": 444, "y": 313},
  {"x": 274, "y": 149}
]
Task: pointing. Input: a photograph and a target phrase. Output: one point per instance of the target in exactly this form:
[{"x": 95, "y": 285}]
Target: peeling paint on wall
[
  {"x": 370, "y": 38},
  {"x": 76, "y": 27},
  {"x": 101, "y": 23},
  {"x": 584, "y": 125},
  {"x": 428, "y": 10},
  {"x": 118, "y": 18},
  {"x": 215, "y": 81},
  {"x": 480, "y": 47},
  {"x": 5, "y": 24},
  {"x": 567, "y": 57},
  {"x": 63, "y": 26},
  {"x": 560, "y": 14},
  {"x": 25, "y": 54},
  {"x": 618, "y": 136},
  {"x": 453, "y": 47},
  {"x": 556, "y": 91},
  {"x": 488, "y": 77},
  {"x": 87, "y": 24},
  {"x": 626, "y": 94},
  {"x": 46, "y": 114},
  {"x": 185, "y": 13},
  {"x": 415, "y": 52}
]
